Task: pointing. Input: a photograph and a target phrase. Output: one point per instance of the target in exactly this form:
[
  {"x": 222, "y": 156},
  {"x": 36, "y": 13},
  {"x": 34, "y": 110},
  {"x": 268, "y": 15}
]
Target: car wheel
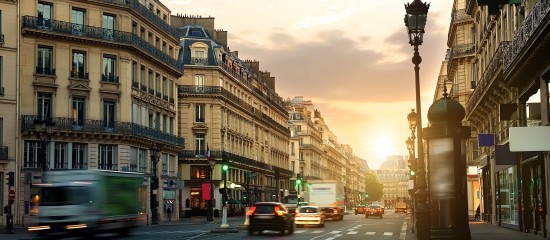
[
  {"x": 322, "y": 224},
  {"x": 291, "y": 230}
]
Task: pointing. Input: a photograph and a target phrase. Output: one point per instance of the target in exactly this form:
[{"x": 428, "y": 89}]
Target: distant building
[
  {"x": 394, "y": 162},
  {"x": 394, "y": 178}
]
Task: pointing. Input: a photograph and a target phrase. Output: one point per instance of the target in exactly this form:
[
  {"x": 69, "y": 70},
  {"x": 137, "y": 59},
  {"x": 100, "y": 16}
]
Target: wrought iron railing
[
  {"x": 487, "y": 75},
  {"x": 135, "y": 84},
  {"x": 79, "y": 75},
  {"x": 106, "y": 127},
  {"x": 45, "y": 71},
  {"x": 102, "y": 34},
  {"x": 192, "y": 154},
  {"x": 273, "y": 98},
  {"x": 199, "y": 61},
  {"x": 144, "y": 11},
  {"x": 143, "y": 88},
  {"x": 171, "y": 99},
  {"x": 3, "y": 152},
  {"x": 520, "y": 37},
  {"x": 183, "y": 89},
  {"x": 109, "y": 78}
]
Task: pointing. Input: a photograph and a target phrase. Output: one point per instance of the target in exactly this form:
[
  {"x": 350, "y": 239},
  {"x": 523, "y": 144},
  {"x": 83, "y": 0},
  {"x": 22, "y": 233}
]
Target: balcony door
[{"x": 78, "y": 17}]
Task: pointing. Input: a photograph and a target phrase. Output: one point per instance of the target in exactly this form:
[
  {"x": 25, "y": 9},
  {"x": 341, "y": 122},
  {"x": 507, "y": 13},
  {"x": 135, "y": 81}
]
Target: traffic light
[
  {"x": 225, "y": 165},
  {"x": 11, "y": 179}
]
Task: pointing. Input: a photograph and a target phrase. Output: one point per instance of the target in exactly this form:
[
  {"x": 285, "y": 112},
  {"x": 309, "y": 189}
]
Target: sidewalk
[
  {"x": 236, "y": 221},
  {"x": 485, "y": 231}
]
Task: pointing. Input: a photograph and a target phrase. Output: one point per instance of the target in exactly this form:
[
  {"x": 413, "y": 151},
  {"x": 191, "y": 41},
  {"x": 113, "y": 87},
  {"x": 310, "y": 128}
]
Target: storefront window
[{"x": 508, "y": 198}]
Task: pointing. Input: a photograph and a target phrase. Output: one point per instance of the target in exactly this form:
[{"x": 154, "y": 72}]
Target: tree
[{"x": 374, "y": 189}]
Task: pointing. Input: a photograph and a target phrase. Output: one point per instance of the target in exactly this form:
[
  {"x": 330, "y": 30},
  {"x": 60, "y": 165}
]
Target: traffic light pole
[{"x": 225, "y": 168}]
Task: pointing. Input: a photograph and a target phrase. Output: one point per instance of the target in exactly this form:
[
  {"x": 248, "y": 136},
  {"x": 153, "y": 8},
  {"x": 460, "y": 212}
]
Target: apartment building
[
  {"x": 317, "y": 154},
  {"x": 456, "y": 79},
  {"x": 103, "y": 73},
  {"x": 510, "y": 75},
  {"x": 9, "y": 80},
  {"x": 230, "y": 111}
]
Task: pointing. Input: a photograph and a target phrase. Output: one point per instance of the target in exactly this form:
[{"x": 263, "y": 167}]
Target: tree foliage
[{"x": 374, "y": 188}]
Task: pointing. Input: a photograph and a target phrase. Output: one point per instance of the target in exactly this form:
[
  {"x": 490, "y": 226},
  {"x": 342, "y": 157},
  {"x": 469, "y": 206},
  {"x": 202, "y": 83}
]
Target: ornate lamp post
[
  {"x": 210, "y": 214},
  {"x": 44, "y": 130},
  {"x": 412, "y": 177},
  {"x": 155, "y": 157},
  {"x": 415, "y": 21}
]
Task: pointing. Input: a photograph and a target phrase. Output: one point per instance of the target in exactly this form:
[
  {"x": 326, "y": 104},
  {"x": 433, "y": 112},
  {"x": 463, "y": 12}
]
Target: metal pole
[
  {"x": 422, "y": 208},
  {"x": 210, "y": 213},
  {"x": 154, "y": 204},
  {"x": 224, "y": 210}
]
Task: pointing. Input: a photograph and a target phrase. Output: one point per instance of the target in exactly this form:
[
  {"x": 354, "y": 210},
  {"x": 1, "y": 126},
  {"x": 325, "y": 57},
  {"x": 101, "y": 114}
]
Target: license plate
[{"x": 264, "y": 217}]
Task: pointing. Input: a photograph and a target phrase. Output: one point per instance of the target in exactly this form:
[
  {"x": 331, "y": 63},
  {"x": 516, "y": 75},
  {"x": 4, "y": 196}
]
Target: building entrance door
[{"x": 534, "y": 200}]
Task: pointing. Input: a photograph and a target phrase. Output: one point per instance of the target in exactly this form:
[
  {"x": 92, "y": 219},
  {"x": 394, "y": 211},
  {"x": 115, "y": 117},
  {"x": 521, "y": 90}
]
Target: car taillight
[
  {"x": 278, "y": 211},
  {"x": 251, "y": 211}
]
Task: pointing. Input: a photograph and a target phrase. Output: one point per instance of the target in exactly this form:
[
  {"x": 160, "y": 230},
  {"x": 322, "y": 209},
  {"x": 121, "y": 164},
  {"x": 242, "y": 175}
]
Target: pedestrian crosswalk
[{"x": 349, "y": 232}]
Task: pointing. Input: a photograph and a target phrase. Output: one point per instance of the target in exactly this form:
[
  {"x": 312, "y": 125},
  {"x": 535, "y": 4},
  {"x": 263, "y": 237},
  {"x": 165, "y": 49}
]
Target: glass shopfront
[{"x": 507, "y": 198}]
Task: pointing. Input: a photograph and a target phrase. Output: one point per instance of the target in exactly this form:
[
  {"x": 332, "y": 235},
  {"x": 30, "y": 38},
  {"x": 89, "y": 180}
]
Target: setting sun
[{"x": 383, "y": 146}]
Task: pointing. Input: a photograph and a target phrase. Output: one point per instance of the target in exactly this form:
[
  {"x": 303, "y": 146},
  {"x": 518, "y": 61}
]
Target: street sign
[{"x": 11, "y": 195}]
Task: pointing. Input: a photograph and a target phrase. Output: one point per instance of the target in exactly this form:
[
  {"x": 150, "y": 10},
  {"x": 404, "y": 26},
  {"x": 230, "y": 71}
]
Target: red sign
[
  {"x": 11, "y": 195},
  {"x": 206, "y": 191}
]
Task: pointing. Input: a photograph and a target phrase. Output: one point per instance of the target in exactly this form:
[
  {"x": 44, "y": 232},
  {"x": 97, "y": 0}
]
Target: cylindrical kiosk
[{"x": 447, "y": 170}]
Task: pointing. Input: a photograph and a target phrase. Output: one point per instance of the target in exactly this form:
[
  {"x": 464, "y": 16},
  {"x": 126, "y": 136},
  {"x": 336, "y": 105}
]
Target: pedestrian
[
  {"x": 478, "y": 214},
  {"x": 169, "y": 213}
]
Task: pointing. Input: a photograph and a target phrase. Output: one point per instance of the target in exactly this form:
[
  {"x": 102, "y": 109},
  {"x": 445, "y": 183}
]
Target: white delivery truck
[
  {"x": 328, "y": 195},
  {"x": 84, "y": 202}
]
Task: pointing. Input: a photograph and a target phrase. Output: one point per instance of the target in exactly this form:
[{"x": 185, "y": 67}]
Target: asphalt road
[{"x": 390, "y": 227}]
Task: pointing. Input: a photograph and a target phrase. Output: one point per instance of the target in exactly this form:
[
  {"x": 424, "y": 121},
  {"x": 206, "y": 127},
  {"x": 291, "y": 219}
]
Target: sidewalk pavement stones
[{"x": 485, "y": 231}]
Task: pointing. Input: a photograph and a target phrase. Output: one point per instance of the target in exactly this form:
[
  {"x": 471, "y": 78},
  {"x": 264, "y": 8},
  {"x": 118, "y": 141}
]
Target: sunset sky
[{"x": 350, "y": 57}]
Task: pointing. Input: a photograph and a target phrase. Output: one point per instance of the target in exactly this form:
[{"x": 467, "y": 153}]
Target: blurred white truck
[
  {"x": 328, "y": 195},
  {"x": 401, "y": 206},
  {"x": 84, "y": 202}
]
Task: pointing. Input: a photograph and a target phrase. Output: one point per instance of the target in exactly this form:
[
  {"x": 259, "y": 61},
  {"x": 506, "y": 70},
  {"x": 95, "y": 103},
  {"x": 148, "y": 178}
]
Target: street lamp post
[
  {"x": 44, "y": 130},
  {"x": 415, "y": 21},
  {"x": 211, "y": 165},
  {"x": 155, "y": 157},
  {"x": 412, "y": 177}
]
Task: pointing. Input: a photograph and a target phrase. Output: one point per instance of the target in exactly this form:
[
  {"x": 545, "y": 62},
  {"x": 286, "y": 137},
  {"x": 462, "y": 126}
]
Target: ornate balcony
[
  {"x": 86, "y": 33},
  {"x": 234, "y": 159},
  {"x": 487, "y": 76},
  {"x": 216, "y": 90},
  {"x": 100, "y": 126},
  {"x": 521, "y": 36},
  {"x": 143, "y": 11}
]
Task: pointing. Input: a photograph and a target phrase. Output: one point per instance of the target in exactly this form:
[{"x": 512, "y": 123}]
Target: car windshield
[
  {"x": 309, "y": 210},
  {"x": 374, "y": 206},
  {"x": 59, "y": 196}
]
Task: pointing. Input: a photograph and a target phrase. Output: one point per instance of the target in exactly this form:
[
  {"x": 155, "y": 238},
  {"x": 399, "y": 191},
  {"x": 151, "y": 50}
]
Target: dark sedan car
[
  {"x": 360, "y": 209},
  {"x": 272, "y": 216},
  {"x": 374, "y": 210}
]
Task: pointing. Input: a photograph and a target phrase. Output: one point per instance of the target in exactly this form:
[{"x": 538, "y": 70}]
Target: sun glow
[{"x": 382, "y": 146}]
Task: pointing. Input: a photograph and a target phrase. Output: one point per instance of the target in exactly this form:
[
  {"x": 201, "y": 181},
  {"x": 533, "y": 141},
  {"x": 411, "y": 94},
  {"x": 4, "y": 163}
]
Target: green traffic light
[
  {"x": 298, "y": 181},
  {"x": 225, "y": 167},
  {"x": 413, "y": 173}
]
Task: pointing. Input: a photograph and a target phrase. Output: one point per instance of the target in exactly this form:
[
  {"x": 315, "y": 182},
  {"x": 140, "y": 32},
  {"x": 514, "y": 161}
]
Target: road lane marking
[
  {"x": 352, "y": 232},
  {"x": 335, "y": 232},
  {"x": 370, "y": 233},
  {"x": 300, "y": 231},
  {"x": 318, "y": 231},
  {"x": 388, "y": 233}
]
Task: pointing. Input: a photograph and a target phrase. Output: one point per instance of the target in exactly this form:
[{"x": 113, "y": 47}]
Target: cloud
[{"x": 312, "y": 21}]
